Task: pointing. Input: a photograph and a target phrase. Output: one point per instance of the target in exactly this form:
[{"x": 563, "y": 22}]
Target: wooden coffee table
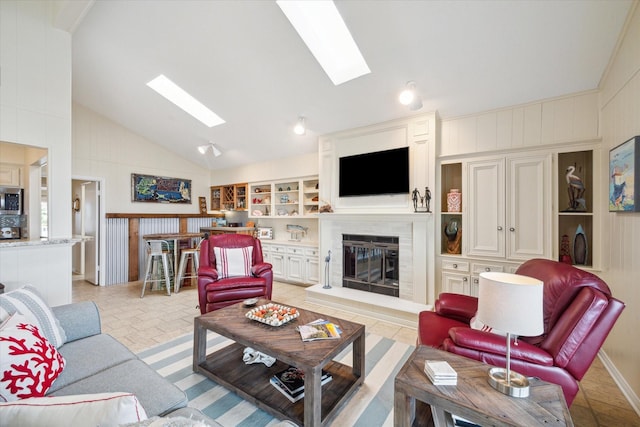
[
  {"x": 472, "y": 398},
  {"x": 321, "y": 403}
]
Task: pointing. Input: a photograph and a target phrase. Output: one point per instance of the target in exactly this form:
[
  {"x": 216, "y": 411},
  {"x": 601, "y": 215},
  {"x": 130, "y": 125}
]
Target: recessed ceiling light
[
  {"x": 182, "y": 99},
  {"x": 321, "y": 27}
]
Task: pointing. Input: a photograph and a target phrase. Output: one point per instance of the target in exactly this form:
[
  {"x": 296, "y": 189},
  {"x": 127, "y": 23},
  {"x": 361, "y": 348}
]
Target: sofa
[
  {"x": 99, "y": 381},
  {"x": 578, "y": 310},
  {"x": 96, "y": 377}
]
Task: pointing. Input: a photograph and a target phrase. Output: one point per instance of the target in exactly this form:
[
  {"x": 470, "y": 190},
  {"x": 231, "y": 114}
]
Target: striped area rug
[{"x": 371, "y": 405}]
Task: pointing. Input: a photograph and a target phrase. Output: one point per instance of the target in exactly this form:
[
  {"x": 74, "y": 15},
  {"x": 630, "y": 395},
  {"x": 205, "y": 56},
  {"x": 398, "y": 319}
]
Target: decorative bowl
[{"x": 273, "y": 314}]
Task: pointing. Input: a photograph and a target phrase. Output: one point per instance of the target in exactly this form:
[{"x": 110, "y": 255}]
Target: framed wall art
[
  {"x": 622, "y": 177},
  {"x": 265, "y": 233},
  {"x": 160, "y": 189}
]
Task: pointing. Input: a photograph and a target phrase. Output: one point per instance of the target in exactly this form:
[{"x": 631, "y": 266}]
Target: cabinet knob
[
  {"x": 487, "y": 269},
  {"x": 512, "y": 229},
  {"x": 455, "y": 265},
  {"x": 464, "y": 279},
  {"x": 475, "y": 280},
  {"x": 499, "y": 228}
]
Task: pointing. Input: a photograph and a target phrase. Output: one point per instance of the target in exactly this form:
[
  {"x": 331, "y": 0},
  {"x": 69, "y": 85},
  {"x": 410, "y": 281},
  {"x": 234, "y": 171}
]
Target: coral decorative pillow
[
  {"x": 29, "y": 363},
  {"x": 26, "y": 300},
  {"x": 232, "y": 262}
]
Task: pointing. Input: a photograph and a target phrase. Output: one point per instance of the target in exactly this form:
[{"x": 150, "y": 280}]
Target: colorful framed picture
[
  {"x": 160, "y": 189},
  {"x": 265, "y": 233},
  {"x": 622, "y": 177}
]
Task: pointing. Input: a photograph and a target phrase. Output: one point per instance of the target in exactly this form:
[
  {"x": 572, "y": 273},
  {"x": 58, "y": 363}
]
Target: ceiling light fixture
[
  {"x": 203, "y": 149},
  {"x": 409, "y": 97},
  {"x": 184, "y": 100},
  {"x": 300, "y": 128},
  {"x": 323, "y": 30}
]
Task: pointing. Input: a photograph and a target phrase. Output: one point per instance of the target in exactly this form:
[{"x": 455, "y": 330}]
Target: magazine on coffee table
[{"x": 319, "y": 330}]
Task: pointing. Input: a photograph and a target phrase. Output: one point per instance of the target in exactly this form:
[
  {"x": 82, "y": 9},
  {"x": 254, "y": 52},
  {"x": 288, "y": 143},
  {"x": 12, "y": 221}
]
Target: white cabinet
[
  {"x": 284, "y": 199},
  {"x": 292, "y": 263},
  {"x": 485, "y": 199},
  {"x": 455, "y": 276},
  {"x": 275, "y": 255},
  {"x": 295, "y": 264},
  {"x": 312, "y": 266},
  {"x": 10, "y": 175},
  {"x": 509, "y": 213}
]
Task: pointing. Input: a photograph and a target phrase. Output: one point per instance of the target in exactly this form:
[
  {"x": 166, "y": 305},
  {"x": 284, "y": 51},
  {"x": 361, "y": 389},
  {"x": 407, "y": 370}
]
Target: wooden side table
[{"x": 473, "y": 398}]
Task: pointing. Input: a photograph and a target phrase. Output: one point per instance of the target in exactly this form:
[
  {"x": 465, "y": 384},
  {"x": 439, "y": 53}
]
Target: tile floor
[{"x": 141, "y": 323}]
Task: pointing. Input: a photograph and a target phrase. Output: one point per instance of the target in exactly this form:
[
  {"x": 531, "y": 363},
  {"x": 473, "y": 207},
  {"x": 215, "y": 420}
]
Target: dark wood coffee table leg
[
  {"x": 403, "y": 407},
  {"x": 358, "y": 357},
  {"x": 199, "y": 344},
  {"x": 313, "y": 396}
]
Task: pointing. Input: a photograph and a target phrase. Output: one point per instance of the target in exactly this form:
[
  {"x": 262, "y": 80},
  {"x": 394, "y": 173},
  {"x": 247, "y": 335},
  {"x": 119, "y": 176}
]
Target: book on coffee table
[{"x": 290, "y": 382}]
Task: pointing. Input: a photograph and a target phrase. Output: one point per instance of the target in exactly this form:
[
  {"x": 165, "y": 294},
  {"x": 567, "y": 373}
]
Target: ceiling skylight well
[
  {"x": 182, "y": 99},
  {"x": 321, "y": 27}
]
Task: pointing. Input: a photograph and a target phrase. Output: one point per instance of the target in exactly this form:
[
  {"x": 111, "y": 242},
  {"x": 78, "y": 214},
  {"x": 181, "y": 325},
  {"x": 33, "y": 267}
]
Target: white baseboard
[{"x": 633, "y": 399}]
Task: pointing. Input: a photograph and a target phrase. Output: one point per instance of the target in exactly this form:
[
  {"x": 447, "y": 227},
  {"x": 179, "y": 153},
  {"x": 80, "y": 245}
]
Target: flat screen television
[{"x": 373, "y": 174}]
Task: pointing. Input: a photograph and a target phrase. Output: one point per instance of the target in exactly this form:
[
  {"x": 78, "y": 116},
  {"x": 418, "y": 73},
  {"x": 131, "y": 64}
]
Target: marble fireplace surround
[{"x": 416, "y": 290}]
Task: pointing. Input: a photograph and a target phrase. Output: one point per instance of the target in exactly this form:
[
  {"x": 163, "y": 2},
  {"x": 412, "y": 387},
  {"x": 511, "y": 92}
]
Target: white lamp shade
[{"x": 511, "y": 303}]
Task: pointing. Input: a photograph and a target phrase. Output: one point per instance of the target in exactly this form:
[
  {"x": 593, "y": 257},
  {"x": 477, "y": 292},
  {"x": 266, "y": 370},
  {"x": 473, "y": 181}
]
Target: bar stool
[
  {"x": 189, "y": 254},
  {"x": 158, "y": 251}
]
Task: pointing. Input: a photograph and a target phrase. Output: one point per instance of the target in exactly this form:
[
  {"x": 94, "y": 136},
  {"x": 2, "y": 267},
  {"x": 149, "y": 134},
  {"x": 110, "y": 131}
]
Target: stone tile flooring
[{"x": 141, "y": 323}]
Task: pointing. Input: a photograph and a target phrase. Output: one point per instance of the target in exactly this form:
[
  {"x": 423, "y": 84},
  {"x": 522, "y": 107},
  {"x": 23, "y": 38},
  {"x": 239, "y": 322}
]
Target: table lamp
[{"x": 511, "y": 303}]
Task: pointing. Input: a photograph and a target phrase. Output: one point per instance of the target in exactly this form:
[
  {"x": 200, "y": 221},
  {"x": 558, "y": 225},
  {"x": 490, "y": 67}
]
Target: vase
[
  {"x": 454, "y": 200},
  {"x": 580, "y": 246}
]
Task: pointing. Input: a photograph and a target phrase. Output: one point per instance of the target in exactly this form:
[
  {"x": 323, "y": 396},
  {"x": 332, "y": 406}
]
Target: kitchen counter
[{"x": 41, "y": 242}]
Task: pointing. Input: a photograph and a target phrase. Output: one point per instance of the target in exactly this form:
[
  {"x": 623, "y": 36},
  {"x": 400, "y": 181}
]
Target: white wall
[
  {"x": 620, "y": 120},
  {"x": 35, "y": 95},
  {"x": 290, "y": 167},
  {"x": 35, "y": 109},
  {"x": 104, "y": 149}
]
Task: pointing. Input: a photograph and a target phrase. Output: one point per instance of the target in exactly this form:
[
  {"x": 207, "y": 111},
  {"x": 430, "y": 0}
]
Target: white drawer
[
  {"x": 449, "y": 264},
  {"x": 311, "y": 252},
  {"x": 295, "y": 251},
  {"x": 477, "y": 268},
  {"x": 278, "y": 249}
]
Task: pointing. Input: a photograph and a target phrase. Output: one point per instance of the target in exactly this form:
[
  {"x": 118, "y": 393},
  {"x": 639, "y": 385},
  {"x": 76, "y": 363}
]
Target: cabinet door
[
  {"x": 312, "y": 273},
  {"x": 455, "y": 283},
  {"x": 295, "y": 267},
  {"x": 528, "y": 190},
  {"x": 485, "y": 202},
  {"x": 9, "y": 175},
  {"x": 278, "y": 257}
]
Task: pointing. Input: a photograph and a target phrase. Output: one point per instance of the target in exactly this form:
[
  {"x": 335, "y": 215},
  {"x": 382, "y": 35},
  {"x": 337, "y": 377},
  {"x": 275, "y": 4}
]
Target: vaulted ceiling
[{"x": 244, "y": 60}]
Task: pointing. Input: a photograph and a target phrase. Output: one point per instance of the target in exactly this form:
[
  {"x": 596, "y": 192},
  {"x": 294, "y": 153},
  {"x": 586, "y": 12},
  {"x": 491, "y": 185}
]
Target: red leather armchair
[
  {"x": 579, "y": 313},
  {"x": 215, "y": 292}
]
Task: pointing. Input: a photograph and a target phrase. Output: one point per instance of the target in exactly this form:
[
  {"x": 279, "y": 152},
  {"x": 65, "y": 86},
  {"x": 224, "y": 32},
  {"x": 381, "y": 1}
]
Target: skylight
[
  {"x": 182, "y": 99},
  {"x": 321, "y": 27}
]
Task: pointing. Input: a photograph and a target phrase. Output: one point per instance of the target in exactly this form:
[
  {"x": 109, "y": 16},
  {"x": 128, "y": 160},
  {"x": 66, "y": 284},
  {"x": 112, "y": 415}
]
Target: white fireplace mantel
[{"x": 415, "y": 247}]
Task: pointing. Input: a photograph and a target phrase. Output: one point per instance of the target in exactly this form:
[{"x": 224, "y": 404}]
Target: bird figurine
[{"x": 576, "y": 190}]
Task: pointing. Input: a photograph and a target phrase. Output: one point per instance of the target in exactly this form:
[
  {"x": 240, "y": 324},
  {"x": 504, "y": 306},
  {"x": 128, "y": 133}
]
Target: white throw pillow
[
  {"x": 232, "y": 262},
  {"x": 476, "y": 324},
  {"x": 29, "y": 364},
  {"x": 90, "y": 410},
  {"x": 26, "y": 300}
]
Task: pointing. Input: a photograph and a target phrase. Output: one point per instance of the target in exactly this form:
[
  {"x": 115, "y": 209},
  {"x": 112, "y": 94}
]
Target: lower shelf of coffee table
[{"x": 251, "y": 382}]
